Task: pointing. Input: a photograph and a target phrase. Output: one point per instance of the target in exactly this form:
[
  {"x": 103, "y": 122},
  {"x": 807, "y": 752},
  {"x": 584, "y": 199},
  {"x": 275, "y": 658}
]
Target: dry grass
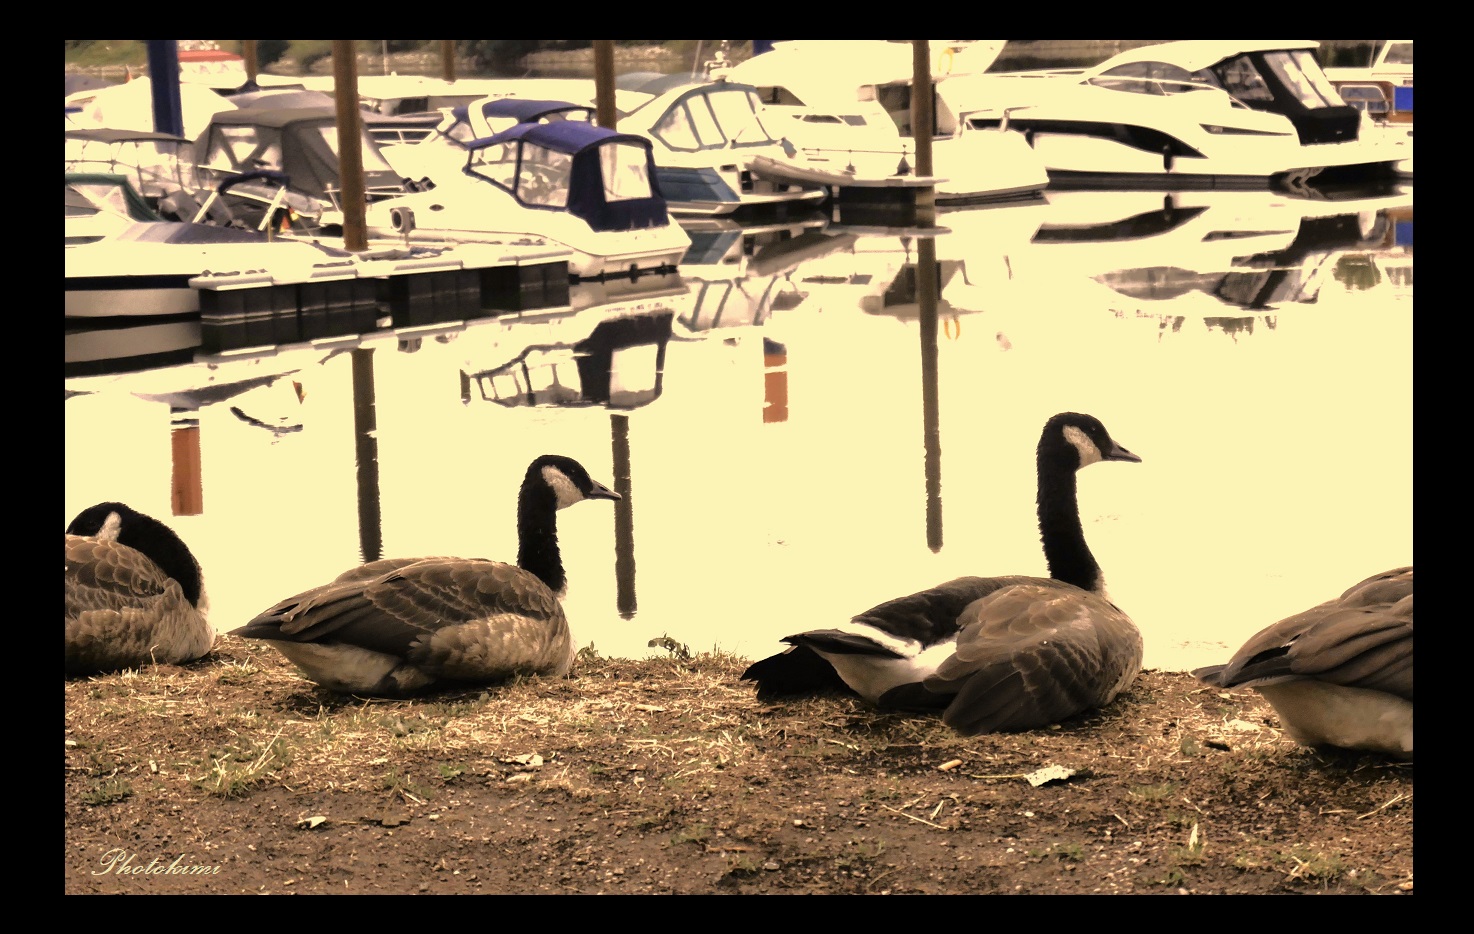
[{"x": 666, "y": 775}]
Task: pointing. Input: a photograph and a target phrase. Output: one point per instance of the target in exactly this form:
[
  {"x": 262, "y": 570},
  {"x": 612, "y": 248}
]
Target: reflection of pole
[
  {"x": 624, "y": 516},
  {"x": 926, "y": 293},
  {"x": 775, "y": 382},
  {"x": 186, "y": 487},
  {"x": 366, "y": 456}
]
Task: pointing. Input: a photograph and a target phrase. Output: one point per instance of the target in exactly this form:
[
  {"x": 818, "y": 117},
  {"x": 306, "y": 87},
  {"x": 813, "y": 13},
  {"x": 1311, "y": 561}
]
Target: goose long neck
[
  {"x": 1065, "y": 551},
  {"x": 537, "y": 535}
]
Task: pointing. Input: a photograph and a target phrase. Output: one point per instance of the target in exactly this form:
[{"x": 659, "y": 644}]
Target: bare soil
[{"x": 665, "y": 775}]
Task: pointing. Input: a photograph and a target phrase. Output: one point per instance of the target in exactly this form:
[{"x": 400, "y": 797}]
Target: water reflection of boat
[
  {"x": 737, "y": 272},
  {"x": 618, "y": 364},
  {"x": 1209, "y": 255}
]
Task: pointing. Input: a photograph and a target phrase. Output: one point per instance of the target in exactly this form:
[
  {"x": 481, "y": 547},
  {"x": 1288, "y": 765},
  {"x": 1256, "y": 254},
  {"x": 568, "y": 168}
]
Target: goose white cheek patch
[
  {"x": 563, "y": 488},
  {"x": 1089, "y": 453}
]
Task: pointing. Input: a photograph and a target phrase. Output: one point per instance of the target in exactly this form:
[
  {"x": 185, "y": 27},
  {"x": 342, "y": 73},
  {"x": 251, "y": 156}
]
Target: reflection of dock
[{"x": 329, "y": 304}]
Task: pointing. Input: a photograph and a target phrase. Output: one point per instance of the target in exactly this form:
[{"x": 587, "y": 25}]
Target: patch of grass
[
  {"x": 236, "y": 673},
  {"x": 107, "y": 791},
  {"x": 1190, "y": 854},
  {"x": 588, "y": 655},
  {"x": 677, "y": 649},
  {"x": 739, "y": 864},
  {"x": 233, "y": 771},
  {"x": 1153, "y": 792},
  {"x": 1311, "y": 866},
  {"x": 692, "y": 833},
  {"x": 452, "y": 771},
  {"x": 395, "y": 782}
]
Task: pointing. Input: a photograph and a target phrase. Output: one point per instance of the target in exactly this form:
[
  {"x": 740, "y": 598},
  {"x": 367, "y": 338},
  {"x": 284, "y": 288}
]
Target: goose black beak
[
  {"x": 600, "y": 491},
  {"x": 1118, "y": 453}
]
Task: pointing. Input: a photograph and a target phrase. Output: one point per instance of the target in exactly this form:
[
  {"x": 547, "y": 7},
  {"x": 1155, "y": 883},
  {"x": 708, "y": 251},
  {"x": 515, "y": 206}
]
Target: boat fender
[
  {"x": 1167, "y": 159},
  {"x": 402, "y": 220}
]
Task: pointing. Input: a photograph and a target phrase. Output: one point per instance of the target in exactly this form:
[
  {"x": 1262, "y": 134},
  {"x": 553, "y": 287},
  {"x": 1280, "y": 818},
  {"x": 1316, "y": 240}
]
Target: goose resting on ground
[
  {"x": 1338, "y": 674},
  {"x": 401, "y": 625},
  {"x": 993, "y": 653},
  {"x": 134, "y": 593}
]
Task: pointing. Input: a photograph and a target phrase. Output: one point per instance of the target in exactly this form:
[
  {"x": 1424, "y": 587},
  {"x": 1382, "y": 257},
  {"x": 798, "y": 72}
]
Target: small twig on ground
[
  {"x": 919, "y": 820},
  {"x": 1394, "y": 799}
]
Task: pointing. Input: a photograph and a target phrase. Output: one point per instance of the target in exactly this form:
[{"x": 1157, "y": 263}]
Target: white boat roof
[{"x": 1196, "y": 54}]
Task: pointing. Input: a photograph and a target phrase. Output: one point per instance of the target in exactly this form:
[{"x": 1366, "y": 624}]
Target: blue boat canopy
[
  {"x": 603, "y": 176},
  {"x": 526, "y": 110}
]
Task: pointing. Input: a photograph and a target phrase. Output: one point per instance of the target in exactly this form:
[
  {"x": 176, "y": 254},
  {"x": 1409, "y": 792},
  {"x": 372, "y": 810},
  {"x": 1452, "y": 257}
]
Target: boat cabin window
[
  {"x": 1302, "y": 74},
  {"x": 241, "y": 149},
  {"x": 373, "y": 159},
  {"x": 778, "y": 95},
  {"x": 1398, "y": 53},
  {"x": 495, "y": 164},
  {"x": 1157, "y": 78},
  {"x": 1240, "y": 78},
  {"x": 543, "y": 178},
  {"x": 713, "y": 120},
  {"x": 1368, "y": 98},
  {"x": 625, "y": 171}
]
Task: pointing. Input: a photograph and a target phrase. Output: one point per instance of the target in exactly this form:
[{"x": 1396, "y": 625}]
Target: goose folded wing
[
  {"x": 1362, "y": 647},
  {"x": 1031, "y": 655},
  {"x": 408, "y": 608},
  {"x": 112, "y": 575}
]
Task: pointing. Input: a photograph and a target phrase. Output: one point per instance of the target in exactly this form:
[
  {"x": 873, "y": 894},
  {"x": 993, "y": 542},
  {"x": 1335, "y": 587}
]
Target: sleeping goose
[
  {"x": 993, "y": 653},
  {"x": 1338, "y": 674},
  {"x": 134, "y": 593},
  {"x": 401, "y": 625}
]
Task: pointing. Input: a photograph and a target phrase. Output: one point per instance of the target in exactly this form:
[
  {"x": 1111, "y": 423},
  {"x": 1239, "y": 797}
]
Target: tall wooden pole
[
  {"x": 248, "y": 52},
  {"x": 448, "y": 59},
  {"x": 350, "y": 145},
  {"x": 604, "y": 83},
  {"x": 922, "y": 123}
]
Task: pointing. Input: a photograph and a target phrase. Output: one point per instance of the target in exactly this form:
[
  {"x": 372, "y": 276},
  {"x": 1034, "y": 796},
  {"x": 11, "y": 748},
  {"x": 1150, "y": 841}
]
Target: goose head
[
  {"x": 148, "y": 536},
  {"x": 1075, "y": 440}
]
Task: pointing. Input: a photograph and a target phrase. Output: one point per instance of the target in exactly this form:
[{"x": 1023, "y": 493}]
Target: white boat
[
  {"x": 1190, "y": 113},
  {"x": 124, "y": 262},
  {"x": 1383, "y": 91},
  {"x": 705, "y": 135},
  {"x": 301, "y": 143},
  {"x": 846, "y": 103},
  {"x": 580, "y": 186},
  {"x": 444, "y": 150},
  {"x": 157, "y": 165}
]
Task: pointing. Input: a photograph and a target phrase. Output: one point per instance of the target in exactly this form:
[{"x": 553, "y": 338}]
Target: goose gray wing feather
[
  {"x": 123, "y": 611},
  {"x": 1033, "y": 654},
  {"x": 1368, "y": 644},
  {"x": 454, "y": 618}
]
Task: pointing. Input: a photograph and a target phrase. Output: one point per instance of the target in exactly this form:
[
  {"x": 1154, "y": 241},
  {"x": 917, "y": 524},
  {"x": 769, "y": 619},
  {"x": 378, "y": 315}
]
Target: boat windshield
[
  {"x": 713, "y": 119},
  {"x": 373, "y": 159},
  {"x": 625, "y": 171},
  {"x": 1398, "y": 53},
  {"x": 1157, "y": 78},
  {"x": 1240, "y": 78},
  {"x": 1302, "y": 74}
]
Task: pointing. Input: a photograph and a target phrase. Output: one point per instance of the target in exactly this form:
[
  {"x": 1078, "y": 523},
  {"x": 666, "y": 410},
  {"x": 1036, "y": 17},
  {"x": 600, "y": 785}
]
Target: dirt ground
[{"x": 665, "y": 775}]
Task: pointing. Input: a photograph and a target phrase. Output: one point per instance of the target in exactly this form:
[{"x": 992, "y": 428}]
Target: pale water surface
[{"x": 1275, "y": 431}]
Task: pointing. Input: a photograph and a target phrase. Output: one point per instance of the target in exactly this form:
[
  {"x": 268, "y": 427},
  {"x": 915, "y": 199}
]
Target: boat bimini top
[{"x": 603, "y": 176}]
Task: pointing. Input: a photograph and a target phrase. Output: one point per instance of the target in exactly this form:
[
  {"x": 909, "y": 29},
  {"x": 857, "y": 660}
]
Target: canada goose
[
  {"x": 400, "y": 625},
  {"x": 994, "y": 653},
  {"x": 135, "y": 593},
  {"x": 1338, "y": 674}
]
